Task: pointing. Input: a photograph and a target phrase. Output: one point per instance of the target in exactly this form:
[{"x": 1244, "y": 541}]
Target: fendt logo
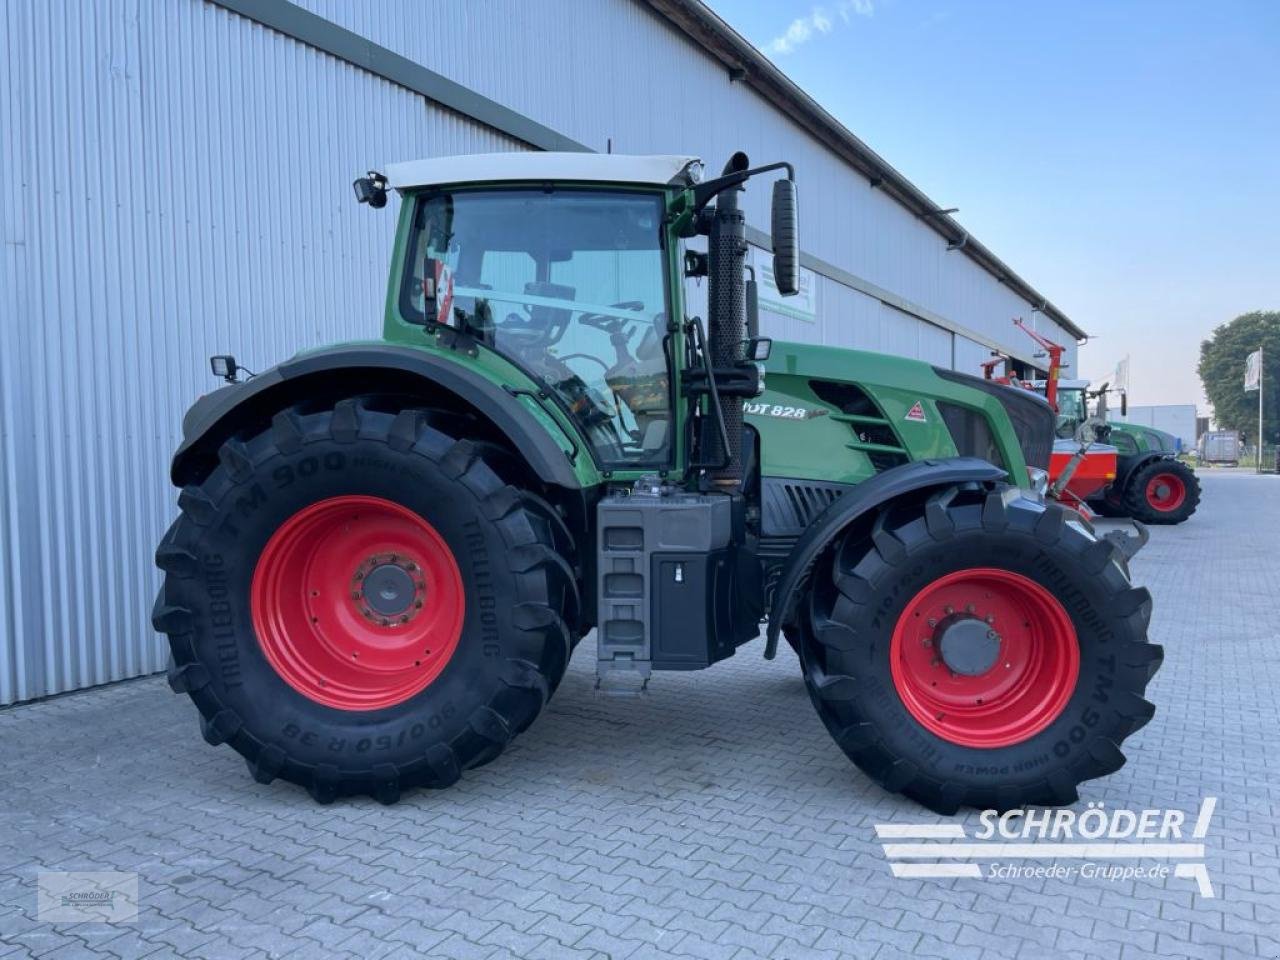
[{"x": 1096, "y": 844}]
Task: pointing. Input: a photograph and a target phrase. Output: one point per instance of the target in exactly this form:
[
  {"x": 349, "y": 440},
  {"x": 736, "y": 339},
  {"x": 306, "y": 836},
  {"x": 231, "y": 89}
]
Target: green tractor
[
  {"x": 1151, "y": 485},
  {"x": 387, "y": 551}
]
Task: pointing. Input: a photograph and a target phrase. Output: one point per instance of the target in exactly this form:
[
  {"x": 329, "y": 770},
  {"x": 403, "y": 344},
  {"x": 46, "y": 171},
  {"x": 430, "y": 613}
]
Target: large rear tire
[
  {"x": 357, "y": 603},
  {"x": 978, "y": 649},
  {"x": 1162, "y": 491}
]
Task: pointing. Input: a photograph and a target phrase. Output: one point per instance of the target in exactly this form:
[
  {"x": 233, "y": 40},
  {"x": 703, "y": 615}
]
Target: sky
[{"x": 1122, "y": 157}]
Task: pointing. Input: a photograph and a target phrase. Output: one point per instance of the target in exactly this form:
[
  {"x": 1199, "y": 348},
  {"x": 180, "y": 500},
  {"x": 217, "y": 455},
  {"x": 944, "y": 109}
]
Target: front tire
[
  {"x": 1162, "y": 491},
  {"x": 1047, "y": 664},
  {"x": 356, "y": 603}
]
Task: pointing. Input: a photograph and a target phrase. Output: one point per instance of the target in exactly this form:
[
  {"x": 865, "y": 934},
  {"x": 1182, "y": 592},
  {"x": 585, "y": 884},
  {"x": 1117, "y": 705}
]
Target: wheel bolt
[
  {"x": 969, "y": 608},
  {"x": 933, "y": 622}
]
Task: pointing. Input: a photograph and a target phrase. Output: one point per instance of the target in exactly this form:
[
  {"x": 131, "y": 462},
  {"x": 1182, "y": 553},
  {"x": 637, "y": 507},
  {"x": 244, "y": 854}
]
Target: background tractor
[
  {"x": 1151, "y": 484},
  {"x": 386, "y": 551}
]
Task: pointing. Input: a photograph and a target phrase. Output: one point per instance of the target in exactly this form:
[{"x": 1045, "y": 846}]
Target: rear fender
[
  {"x": 1129, "y": 464},
  {"x": 855, "y": 503},
  {"x": 365, "y": 369}
]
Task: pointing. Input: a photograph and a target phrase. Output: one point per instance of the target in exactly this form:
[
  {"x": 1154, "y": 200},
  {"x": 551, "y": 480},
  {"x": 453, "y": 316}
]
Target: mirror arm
[{"x": 704, "y": 193}]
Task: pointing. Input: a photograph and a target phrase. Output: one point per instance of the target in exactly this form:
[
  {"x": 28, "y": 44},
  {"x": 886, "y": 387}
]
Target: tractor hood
[{"x": 840, "y": 416}]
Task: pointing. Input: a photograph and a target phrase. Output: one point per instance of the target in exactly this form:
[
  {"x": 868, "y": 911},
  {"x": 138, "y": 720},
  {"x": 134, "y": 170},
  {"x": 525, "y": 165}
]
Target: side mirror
[
  {"x": 1124, "y": 403},
  {"x": 786, "y": 238}
]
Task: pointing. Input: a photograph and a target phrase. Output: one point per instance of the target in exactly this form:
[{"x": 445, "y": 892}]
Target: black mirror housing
[{"x": 785, "y": 228}]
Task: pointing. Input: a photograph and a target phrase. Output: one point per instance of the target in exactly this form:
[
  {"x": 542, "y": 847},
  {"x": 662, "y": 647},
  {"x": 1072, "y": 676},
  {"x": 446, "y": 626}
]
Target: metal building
[
  {"x": 1178, "y": 419},
  {"x": 175, "y": 182}
]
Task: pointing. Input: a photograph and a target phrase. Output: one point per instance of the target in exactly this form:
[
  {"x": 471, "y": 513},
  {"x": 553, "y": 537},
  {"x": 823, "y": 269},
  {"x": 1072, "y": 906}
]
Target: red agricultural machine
[{"x": 1080, "y": 467}]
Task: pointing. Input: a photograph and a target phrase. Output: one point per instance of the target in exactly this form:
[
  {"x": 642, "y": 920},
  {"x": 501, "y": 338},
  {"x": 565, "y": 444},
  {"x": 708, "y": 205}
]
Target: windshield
[
  {"x": 567, "y": 284},
  {"x": 1071, "y": 411}
]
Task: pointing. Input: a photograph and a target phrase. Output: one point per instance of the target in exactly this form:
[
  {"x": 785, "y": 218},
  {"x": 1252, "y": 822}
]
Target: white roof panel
[{"x": 488, "y": 167}]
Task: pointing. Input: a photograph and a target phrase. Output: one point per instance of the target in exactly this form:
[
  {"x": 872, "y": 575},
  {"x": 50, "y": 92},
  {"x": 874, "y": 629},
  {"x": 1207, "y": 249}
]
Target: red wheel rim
[
  {"x": 1166, "y": 491},
  {"x": 357, "y": 602},
  {"x": 1028, "y": 683}
]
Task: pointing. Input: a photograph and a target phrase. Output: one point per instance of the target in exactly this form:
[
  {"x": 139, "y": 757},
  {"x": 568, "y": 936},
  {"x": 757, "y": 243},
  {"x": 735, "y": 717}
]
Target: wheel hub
[
  {"x": 1165, "y": 492},
  {"x": 968, "y": 646},
  {"x": 388, "y": 588}
]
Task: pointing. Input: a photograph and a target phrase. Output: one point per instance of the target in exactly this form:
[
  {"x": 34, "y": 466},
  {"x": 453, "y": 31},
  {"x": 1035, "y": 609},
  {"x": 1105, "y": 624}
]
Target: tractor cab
[
  {"x": 570, "y": 268},
  {"x": 1072, "y": 404}
]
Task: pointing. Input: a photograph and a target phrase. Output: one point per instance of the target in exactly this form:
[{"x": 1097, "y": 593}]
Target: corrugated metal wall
[{"x": 175, "y": 182}]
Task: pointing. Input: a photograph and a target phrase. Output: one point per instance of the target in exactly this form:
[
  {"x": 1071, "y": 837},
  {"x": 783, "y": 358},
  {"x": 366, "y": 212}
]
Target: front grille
[
  {"x": 970, "y": 432},
  {"x": 1032, "y": 418}
]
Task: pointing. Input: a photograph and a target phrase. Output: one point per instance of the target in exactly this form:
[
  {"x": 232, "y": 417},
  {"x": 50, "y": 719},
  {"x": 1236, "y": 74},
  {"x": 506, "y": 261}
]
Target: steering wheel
[
  {"x": 613, "y": 324},
  {"x": 603, "y": 403}
]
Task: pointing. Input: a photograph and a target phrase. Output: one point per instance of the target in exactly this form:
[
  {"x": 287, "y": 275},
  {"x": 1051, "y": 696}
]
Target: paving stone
[{"x": 677, "y": 824}]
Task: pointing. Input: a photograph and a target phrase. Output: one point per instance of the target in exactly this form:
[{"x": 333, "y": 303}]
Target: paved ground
[{"x": 711, "y": 819}]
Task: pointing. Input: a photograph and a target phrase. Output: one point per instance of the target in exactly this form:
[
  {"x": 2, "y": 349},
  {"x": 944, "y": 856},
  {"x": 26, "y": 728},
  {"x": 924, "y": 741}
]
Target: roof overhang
[{"x": 658, "y": 170}]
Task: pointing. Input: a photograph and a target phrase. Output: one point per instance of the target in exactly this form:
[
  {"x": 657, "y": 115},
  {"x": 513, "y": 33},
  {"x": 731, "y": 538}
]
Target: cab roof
[{"x": 657, "y": 170}]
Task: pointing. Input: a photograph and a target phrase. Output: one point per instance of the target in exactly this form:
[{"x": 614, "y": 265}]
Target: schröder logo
[{"x": 1097, "y": 843}]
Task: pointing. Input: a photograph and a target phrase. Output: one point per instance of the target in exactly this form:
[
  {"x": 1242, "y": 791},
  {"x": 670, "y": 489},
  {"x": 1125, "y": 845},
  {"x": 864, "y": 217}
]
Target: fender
[
  {"x": 216, "y": 416},
  {"x": 1128, "y": 464},
  {"x": 849, "y": 506}
]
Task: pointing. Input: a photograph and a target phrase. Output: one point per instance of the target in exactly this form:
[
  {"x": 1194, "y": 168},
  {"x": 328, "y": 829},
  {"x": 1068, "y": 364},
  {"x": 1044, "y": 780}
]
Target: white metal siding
[
  {"x": 175, "y": 183},
  {"x": 1178, "y": 419}
]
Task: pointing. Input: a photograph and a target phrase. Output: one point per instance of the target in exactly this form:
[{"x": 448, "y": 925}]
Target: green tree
[{"x": 1221, "y": 371}]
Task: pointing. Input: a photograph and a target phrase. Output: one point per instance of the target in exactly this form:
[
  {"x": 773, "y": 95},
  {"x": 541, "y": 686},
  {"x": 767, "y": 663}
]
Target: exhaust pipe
[{"x": 727, "y": 307}]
